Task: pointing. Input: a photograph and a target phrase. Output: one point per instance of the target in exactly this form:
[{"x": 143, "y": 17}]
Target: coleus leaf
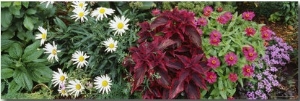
[
  {"x": 165, "y": 43},
  {"x": 176, "y": 88},
  {"x": 138, "y": 77},
  {"x": 194, "y": 35},
  {"x": 159, "y": 21},
  {"x": 199, "y": 80},
  {"x": 192, "y": 91},
  {"x": 164, "y": 79},
  {"x": 175, "y": 64}
]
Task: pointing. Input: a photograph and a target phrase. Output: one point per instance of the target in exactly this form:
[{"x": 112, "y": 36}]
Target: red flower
[
  {"x": 215, "y": 34},
  {"x": 230, "y": 98},
  {"x": 267, "y": 34},
  {"x": 155, "y": 12},
  {"x": 248, "y": 15},
  {"x": 219, "y": 9},
  {"x": 214, "y": 41},
  {"x": 247, "y": 71},
  {"x": 230, "y": 58},
  {"x": 213, "y": 62},
  {"x": 250, "y": 31},
  {"x": 211, "y": 77},
  {"x": 202, "y": 22},
  {"x": 251, "y": 56},
  {"x": 233, "y": 77},
  {"x": 207, "y": 10}
]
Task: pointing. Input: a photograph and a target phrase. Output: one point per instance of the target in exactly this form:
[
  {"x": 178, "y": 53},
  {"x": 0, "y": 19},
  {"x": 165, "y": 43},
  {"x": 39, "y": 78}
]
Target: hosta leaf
[
  {"x": 193, "y": 92},
  {"x": 158, "y": 22},
  {"x": 6, "y": 73},
  {"x": 15, "y": 51}
]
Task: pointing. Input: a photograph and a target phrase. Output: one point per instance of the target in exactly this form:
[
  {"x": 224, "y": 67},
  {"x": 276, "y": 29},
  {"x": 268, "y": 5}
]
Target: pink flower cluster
[
  {"x": 266, "y": 33},
  {"x": 249, "y": 53},
  {"x": 223, "y": 19},
  {"x": 215, "y": 38}
]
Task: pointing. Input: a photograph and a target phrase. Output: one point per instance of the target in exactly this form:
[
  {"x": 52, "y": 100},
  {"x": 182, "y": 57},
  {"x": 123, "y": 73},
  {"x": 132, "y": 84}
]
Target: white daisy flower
[
  {"x": 111, "y": 45},
  {"x": 79, "y": 4},
  {"x": 52, "y": 50},
  {"x": 75, "y": 87},
  {"x": 48, "y": 2},
  {"x": 59, "y": 78},
  {"x": 63, "y": 92},
  {"x": 79, "y": 58},
  {"x": 102, "y": 11},
  {"x": 42, "y": 36},
  {"x": 103, "y": 83},
  {"x": 119, "y": 25},
  {"x": 80, "y": 14}
]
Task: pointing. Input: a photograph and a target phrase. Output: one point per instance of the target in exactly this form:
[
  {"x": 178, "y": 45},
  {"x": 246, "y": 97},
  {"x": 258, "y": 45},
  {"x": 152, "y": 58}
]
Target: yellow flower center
[
  {"x": 111, "y": 45},
  {"x": 266, "y": 35},
  {"x": 44, "y": 35},
  {"x": 54, "y": 52},
  {"x": 63, "y": 91},
  {"x": 104, "y": 83},
  {"x": 210, "y": 76},
  {"x": 81, "y": 58},
  {"x": 102, "y": 11},
  {"x": 80, "y": 5},
  {"x": 230, "y": 58},
  {"x": 213, "y": 61},
  {"x": 214, "y": 40},
  {"x": 120, "y": 25},
  {"x": 250, "y": 54},
  {"x": 81, "y": 14},
  {"x": 78, "y": 86},
  {"x": 62, "y": 78},
  {"x": 247, "y": 15},
  {"x": 248, "y": 70}
]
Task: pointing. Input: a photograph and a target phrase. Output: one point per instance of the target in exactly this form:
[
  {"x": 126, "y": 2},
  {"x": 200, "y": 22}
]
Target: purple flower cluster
[{"x": 277, "y": 54}]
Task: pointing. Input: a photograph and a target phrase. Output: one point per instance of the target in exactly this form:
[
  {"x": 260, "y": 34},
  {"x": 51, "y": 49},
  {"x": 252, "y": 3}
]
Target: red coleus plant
[{"x": 169, "y": 58}]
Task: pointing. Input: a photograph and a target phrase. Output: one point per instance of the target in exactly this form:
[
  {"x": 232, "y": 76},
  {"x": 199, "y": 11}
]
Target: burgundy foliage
[{"x": 170, "y": 46}]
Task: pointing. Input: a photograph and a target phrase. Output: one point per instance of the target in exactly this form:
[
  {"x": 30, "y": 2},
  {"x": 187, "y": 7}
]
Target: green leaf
[
  {"x": 31, "y": 11},
  {"x": 5, "y": 4},
  {"x": 241, "y": 81},
  {"x": 6, "y": 18},
  {"x": 28, "y": 23},
  {"x": 3, "y": 84},
  {"x": 15, "y": 51},
  {"x": 13, "y": 87},
  {"x": 5, "y": 44},
  {"x": 223, "y": 94},
  {"x": 6, "y": 62},
  {"x": 25, "y": 4},
  {"x": 7, "y": 35},
  {"x": 60, "y": 23},
  {"x": 29, "y": 50},
  {"x": 40, "y": 72},
  {"x": 220, "y": 84},
  {"x": 6, "y": 73},
  {"x": 23, "y": 78},
  {"x": 15, "y": 10}
]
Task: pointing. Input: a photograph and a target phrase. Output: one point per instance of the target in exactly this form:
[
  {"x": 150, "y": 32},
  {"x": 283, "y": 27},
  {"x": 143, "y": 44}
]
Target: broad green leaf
[
  {"x": 15, "y": 51},
  {"x": 220, "y": 84},
  {"x": 241, "y": 81},
  {"x": 28, "y": 23},
  {"x": 60, "y": 23},
  {"x": 6, "y": 61},
  {"x": 5, "y": 44},
  {"x": 31, "y": 52},
  {"x": 5, "y": 4},
  {"x": 25, "y": 4},
  {"x": 6, "y": 18},
  {"x": 13, "y": 87},
  {"x": 40, "y": 72},
  {"x": 3, "y": 84},
  {"x": 31, "y": 11},
  {"x": 223, "y": 94},
  {"x": 17, "y": 3},
  {"x": 6, "y": 73},
  {"x": 7, "y": 34},
  {"x": 15, "y": 10},
  {"x": 23, "y": 78}
]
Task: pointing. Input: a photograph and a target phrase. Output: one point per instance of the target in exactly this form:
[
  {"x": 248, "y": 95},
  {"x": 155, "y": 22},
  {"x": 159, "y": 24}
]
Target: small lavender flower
[{"x": 264, "y": 96}]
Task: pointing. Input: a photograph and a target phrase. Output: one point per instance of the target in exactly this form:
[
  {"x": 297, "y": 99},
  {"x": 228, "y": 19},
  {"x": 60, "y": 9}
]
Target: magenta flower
[
  {"x": 251, "y": 56},
  {"x": 267, "y": 34},
  {"x": 155, "y": 12},
  {"x": 219, "y": 9},
  {"x": 211, "y": 77},
  {"x": 248, "y": 15},
  {"x": 247, "y": 71},
  {"x": 228, "y": 15},
  {"x": 213, "y": 62},
  {"x": 214, "y": 41},
  {"x": 222, "y": 19},
  {"x": 207, "y": 10},
  {"x": 202, "y": 21},
  {"x": 230, "y": 58},
  {"x": 233, "y": 77},
  {"x": 215, "y": 34},
  {"x": 250, "y": 31},
  {"x": 247, "y": 49}
]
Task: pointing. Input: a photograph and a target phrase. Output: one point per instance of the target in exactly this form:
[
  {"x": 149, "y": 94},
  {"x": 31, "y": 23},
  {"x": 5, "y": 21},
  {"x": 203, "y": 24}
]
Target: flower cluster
[
  {"x": 75, "y": 87},
  {"x": 215, "y": 38},
  {"x": 223, "y": 19},
  {"x": 207, "y": 11},
  {"x": 249, "y": 53}
]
